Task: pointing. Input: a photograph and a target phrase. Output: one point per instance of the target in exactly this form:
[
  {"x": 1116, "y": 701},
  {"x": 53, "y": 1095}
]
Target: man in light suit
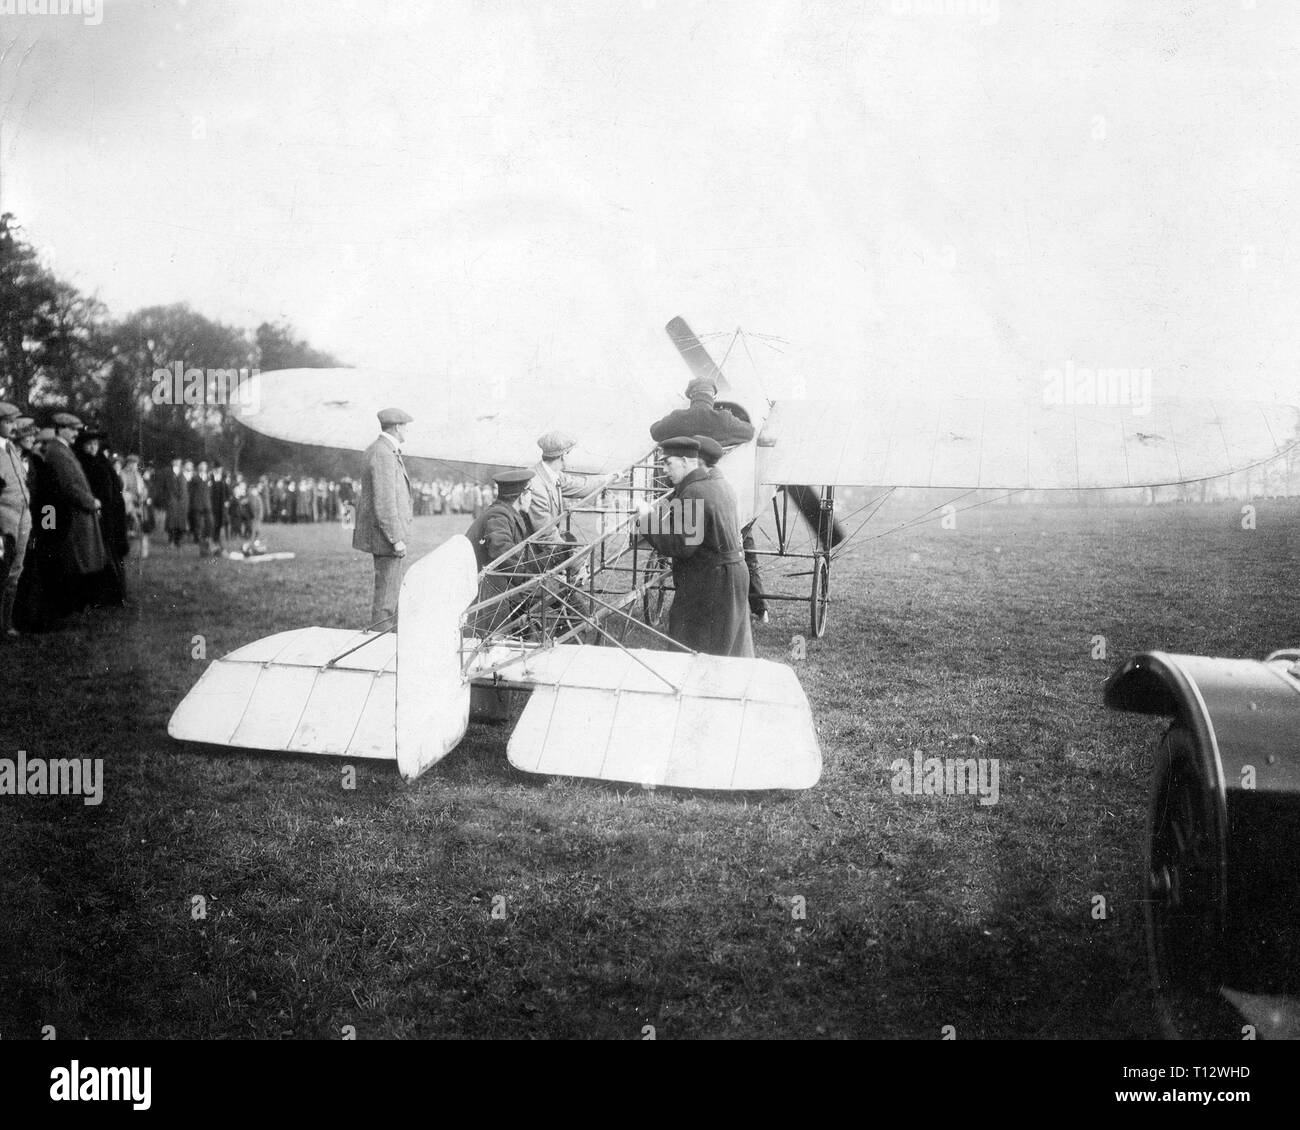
[
  {"x": 552, "y": 484},
  {"x": 384, "y": 513},
  {"x": 15, "y": 518}
]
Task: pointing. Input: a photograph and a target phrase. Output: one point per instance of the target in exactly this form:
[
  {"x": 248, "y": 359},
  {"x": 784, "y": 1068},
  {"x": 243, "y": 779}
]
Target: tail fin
[{"x": 432, "y": 692}]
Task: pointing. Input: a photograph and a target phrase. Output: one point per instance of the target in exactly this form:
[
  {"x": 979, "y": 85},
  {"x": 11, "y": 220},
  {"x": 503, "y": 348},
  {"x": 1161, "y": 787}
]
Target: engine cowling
[{"x": 1223, "y": 836}]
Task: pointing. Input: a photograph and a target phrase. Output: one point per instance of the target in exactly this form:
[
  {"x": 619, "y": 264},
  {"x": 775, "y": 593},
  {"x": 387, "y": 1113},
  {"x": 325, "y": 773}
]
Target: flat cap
[
  {"x": 710, "y": 449},
  {"x": 555, "y": 443},
  {"x": 66, "y": 420},
  {"x": 681, "y": 445},
  {"x": 389, "y": 416},
  {"x": 9, "y": 411},
  {"x": 701, "y": 386},
  {"x": 511, "y": 484}
]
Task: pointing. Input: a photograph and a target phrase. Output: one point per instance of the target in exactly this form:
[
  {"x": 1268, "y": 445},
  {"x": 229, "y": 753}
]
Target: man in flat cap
[
  {"x": 710, "y": 452},
  {"x": 697, "y": 527},
  {"x": 501, "y": 527},
  {"x": 552, "y": 483},
  {"x": 384, "y": 513},
  {"x": 15, "y": 516},
  {"x": 76, "y": 544},
  {"x": 703, "y": 418}
]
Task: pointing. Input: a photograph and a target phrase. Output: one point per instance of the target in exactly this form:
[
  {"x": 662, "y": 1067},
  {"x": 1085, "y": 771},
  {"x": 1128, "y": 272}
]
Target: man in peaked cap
[
  {"x": 710, "y": 452},
  {"x": 384, "y": 513},
  {"x": 501, "y": 527},
  {"x": 697, "y": 527},
  {"x": 703, "y": 418}
]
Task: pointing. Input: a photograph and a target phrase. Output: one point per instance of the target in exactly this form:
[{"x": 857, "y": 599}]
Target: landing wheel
[
  {"x": 1186, "y": 888},
  {"x": 652, "y": 599},
  {"x": 652, "y": 605},
  {"x": 820, "y": 599}
]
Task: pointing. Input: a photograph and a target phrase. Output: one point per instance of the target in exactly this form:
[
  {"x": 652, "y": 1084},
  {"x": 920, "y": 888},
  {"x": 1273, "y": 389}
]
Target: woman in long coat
[
  {"x": 699, "y": 529},
  {"x": 106, "y": 485}
]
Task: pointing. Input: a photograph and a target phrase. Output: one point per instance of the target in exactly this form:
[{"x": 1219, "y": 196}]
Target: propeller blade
[{"x": 695, "y": 355}]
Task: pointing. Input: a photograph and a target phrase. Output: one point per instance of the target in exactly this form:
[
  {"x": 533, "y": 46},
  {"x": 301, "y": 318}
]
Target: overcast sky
[{"x": 947, "y": 202}]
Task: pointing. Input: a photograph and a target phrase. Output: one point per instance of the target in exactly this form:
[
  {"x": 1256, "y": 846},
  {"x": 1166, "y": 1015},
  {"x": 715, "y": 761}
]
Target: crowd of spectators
[{"x": 72, "y": 507}]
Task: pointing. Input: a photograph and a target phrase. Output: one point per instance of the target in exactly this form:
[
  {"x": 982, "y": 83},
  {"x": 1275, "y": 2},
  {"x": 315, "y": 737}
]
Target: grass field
[{"x": 625, "y": 908}]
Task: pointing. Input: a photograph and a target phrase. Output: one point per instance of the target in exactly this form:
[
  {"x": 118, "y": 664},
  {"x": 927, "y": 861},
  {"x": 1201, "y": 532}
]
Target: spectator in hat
[
  {"x": 697, "y": 527},
  {"x": 384, "y": 513},
  {"x": 200, "y": 510},
  {"x": 76, "y": 545},
  {"x": 110, "y": 586},
  {"x": 501, "y": 527},
  {"x": 175, "y": 494},
  {"x": 33, "y": 611},
  {"x": 15, "y": 515},
  {"x": 219, "y": 496},
  {"x": 135, "y": 500},
  {"x": 703, "y": 417}
]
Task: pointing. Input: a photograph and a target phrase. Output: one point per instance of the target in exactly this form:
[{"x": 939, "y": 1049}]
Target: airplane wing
[
  {"x": 1018, "y": 445},
  {"x": 460, "y": 420}
]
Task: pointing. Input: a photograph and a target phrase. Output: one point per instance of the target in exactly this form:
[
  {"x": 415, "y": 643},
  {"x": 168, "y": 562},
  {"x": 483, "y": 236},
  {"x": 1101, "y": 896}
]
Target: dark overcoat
[
  {"x": 496, "y": 531},
  {"x": 106, "y": 485},
  {"x": 219, "y": 492},
  {"x": 77, "y": 544},
  {"x": 176, "y": 501},
  {"x": 200, "y": 495},
  {"x": 703, "y": 419},
  {"x": 710, "y": 609}
]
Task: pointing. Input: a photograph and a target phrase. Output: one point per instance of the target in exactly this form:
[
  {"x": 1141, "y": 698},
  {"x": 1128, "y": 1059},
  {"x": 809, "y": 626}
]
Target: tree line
[{"x": 60, "y": 348}]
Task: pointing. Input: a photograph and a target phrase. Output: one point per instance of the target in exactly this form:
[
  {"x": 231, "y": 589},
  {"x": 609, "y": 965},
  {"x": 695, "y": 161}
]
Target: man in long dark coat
[
  {"x": 501, "y": 527},
  {"x": 174, "y": 493},
  {"x": 697, "y": 527},
  {"x": 201, "y": 509},
  {"x": 219, "y": 493},
  {"x": 78, "y": 545}
]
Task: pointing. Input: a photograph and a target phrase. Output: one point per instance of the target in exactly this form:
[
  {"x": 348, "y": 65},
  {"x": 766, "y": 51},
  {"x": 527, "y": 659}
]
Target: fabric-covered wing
[
  {"x": 1015, "y": 445},
  {"x": 457, "y": 419}
]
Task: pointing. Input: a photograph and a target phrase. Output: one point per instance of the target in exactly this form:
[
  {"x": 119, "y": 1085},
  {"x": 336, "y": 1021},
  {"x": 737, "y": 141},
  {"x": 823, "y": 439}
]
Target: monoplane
[{"x": 606, "y": 693}]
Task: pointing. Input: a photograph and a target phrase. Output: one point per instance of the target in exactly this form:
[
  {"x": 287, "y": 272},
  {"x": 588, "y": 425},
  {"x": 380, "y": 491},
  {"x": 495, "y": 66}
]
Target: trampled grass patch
[{"x": 623, "y": 908}]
